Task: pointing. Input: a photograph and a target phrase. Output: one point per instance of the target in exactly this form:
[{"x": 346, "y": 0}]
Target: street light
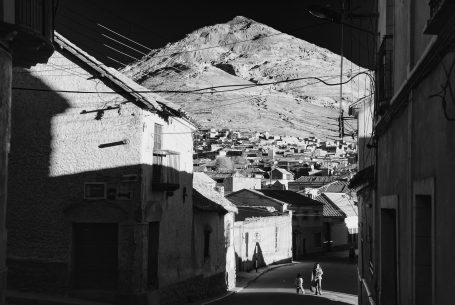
[{"x": 326, "y": 13}]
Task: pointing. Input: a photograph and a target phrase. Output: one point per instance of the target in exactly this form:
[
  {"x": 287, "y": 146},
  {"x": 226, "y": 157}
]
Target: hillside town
[{"x": 112, "y": 191}]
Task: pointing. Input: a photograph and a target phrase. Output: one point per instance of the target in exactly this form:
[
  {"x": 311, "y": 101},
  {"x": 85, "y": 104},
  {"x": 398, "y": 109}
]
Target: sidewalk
[{"x": 243, "y": 280}]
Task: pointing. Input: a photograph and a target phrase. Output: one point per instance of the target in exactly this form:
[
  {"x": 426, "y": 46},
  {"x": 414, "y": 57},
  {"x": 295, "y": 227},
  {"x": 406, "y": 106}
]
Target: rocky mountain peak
[{"x": 245, "y": 52}]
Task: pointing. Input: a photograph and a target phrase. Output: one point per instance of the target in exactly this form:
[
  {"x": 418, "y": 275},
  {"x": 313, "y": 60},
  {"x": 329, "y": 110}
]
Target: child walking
[{"x": 299, "y": 283}]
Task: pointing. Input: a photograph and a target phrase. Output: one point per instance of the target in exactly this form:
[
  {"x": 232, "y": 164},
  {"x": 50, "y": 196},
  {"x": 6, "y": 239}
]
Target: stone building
[
  {"x": 24, "y": 42},
  {"x": 100, "y": 173},
  {"x": 405, "y": 183}
]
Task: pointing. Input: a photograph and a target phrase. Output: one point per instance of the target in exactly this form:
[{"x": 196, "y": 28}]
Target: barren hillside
[{"x": 245, "y": 52}]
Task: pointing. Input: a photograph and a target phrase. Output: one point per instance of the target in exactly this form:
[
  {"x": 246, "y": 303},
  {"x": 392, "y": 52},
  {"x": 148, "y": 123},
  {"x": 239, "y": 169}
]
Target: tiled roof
[
  {"x": 290, "y": 197},
  {"x": 329, "y": 209},
  {"x": 335, "y": 187},
  {"x": 326, "y": 179},
  {"x": 343, "y": 202},
  {"x": 206, "y": 198},
  {"x": 138, "y": 92}
]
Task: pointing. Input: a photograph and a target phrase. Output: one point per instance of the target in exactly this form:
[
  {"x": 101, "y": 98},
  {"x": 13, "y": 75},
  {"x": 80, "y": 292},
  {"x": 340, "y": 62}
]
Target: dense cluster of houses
[
  {"x": 104, "y": 203},
  {"x": 257, "y": 153}
]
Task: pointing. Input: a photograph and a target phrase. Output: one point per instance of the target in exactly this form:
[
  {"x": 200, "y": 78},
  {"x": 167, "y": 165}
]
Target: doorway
[
  {"x": 95, "y": 252},
  {"x": 389, "y": 256}
]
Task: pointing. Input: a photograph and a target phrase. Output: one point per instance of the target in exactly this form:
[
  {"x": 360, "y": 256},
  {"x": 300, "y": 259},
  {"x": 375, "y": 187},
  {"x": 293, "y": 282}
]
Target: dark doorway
[
  {"x": 95, "y": 255},
  {"x": 388, "y": 257},
  {"x": 423, "y": 262}
]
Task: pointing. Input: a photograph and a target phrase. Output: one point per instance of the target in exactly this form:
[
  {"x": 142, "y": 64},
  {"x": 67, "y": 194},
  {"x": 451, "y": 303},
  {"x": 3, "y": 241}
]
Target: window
[
  {"x": 276, "y": 239},
  {"x": 166, "y": 171},
  {"x": 95, "y": 190},
  {"x": 158, "y": 137},
  {"x": 384, "y": 76},
  {"x": 318, "y": 239}
]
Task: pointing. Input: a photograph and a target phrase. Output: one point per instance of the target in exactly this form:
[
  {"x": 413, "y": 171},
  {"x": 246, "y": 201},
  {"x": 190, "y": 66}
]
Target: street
[{"x": 339, "y": 286}]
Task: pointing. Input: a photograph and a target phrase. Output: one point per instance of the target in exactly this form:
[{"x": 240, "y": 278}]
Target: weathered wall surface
[
  {"x": 56, "y": 149},
  {"x": 170, "y": 208},
  {"x": 5, "y": 115},
  {"x": 221, "y": 258},
  {"x": 269, "y": 239},
  {"x": 233, "y": 184},
  {"x": 418, "y": 146}
]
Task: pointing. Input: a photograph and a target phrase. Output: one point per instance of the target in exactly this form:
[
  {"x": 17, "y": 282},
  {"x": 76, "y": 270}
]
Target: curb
[{"x": 248, "y": 283}]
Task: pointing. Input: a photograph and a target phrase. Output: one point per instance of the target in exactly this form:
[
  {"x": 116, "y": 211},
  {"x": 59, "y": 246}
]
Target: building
[
  {"x": 213, "y": 236},
  {"x": 26, "y": 29},
  {"x": 237, "y": 182},
  {"x": 340, "y": 220},
  {"x": 307, "y": 220},
  {"x": 310, "y": 182},
  {"x": 281, "y": 174},
  {"x": 100, "y": 173},
  {"x": 405, "y": 181},
  {"x": 263, "y": 240}
]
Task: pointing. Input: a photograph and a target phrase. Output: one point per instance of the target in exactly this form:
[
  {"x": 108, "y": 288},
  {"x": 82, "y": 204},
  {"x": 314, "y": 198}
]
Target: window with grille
[
  {"x": 384, "y": 74},
  {"x": 166, "y": 171}
]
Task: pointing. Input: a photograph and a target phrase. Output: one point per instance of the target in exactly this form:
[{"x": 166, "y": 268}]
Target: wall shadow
[{"x": 79, "y": 232}]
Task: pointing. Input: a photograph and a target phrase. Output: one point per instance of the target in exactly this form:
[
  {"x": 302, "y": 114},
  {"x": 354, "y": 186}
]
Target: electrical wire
[{"x": 196, "y": 91}]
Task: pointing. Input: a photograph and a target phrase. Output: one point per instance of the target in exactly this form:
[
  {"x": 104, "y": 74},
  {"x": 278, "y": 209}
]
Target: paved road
[{"x": 339, "y": 287}]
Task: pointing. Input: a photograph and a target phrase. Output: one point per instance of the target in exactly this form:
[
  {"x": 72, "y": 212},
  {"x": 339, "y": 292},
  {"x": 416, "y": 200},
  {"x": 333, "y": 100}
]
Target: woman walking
[{"x": 316, "y": 278}]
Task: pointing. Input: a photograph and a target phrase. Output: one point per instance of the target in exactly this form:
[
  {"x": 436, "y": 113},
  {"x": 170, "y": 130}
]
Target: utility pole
[{"x": 341, "y": 127}]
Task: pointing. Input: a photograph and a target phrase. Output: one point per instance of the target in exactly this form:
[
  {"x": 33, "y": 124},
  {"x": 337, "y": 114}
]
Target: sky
[{"x": 153, "y": 24}]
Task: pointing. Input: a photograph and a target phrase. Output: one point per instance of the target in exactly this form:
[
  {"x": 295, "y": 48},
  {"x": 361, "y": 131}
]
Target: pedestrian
[
  {"x": 299, "y": 284},
  {"x": 316, "y": 279}
]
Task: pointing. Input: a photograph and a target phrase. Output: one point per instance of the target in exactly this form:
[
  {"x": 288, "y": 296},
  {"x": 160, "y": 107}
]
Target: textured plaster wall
[
  {"x": 433, "y": 144},
  {"x": 174, "y": 209},
  {"x": 222, "y": 254},
  {"x": 233, "y": 184},
  {"x": 5, "y": 115},
  {"x": 55, "y": 149},
  {"x": 269, "y": 249}
]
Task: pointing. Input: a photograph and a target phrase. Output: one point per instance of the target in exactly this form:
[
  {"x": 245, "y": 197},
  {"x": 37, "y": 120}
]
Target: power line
[{"x": 197, "y": 91}]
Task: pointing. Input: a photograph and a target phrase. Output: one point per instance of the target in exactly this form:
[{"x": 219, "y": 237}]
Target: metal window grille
[{"x": 384, "y": 74}]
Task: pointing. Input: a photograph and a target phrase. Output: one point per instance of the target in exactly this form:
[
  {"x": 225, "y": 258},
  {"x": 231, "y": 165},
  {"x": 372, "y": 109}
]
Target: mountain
[{"x": 244, "y": 52}]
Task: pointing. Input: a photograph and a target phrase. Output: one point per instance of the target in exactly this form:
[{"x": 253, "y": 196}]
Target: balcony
[
  {"x": 26, "y": 29},
  {"x": 166, "y": 171},
  {"x": 441, "y": 13}
]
